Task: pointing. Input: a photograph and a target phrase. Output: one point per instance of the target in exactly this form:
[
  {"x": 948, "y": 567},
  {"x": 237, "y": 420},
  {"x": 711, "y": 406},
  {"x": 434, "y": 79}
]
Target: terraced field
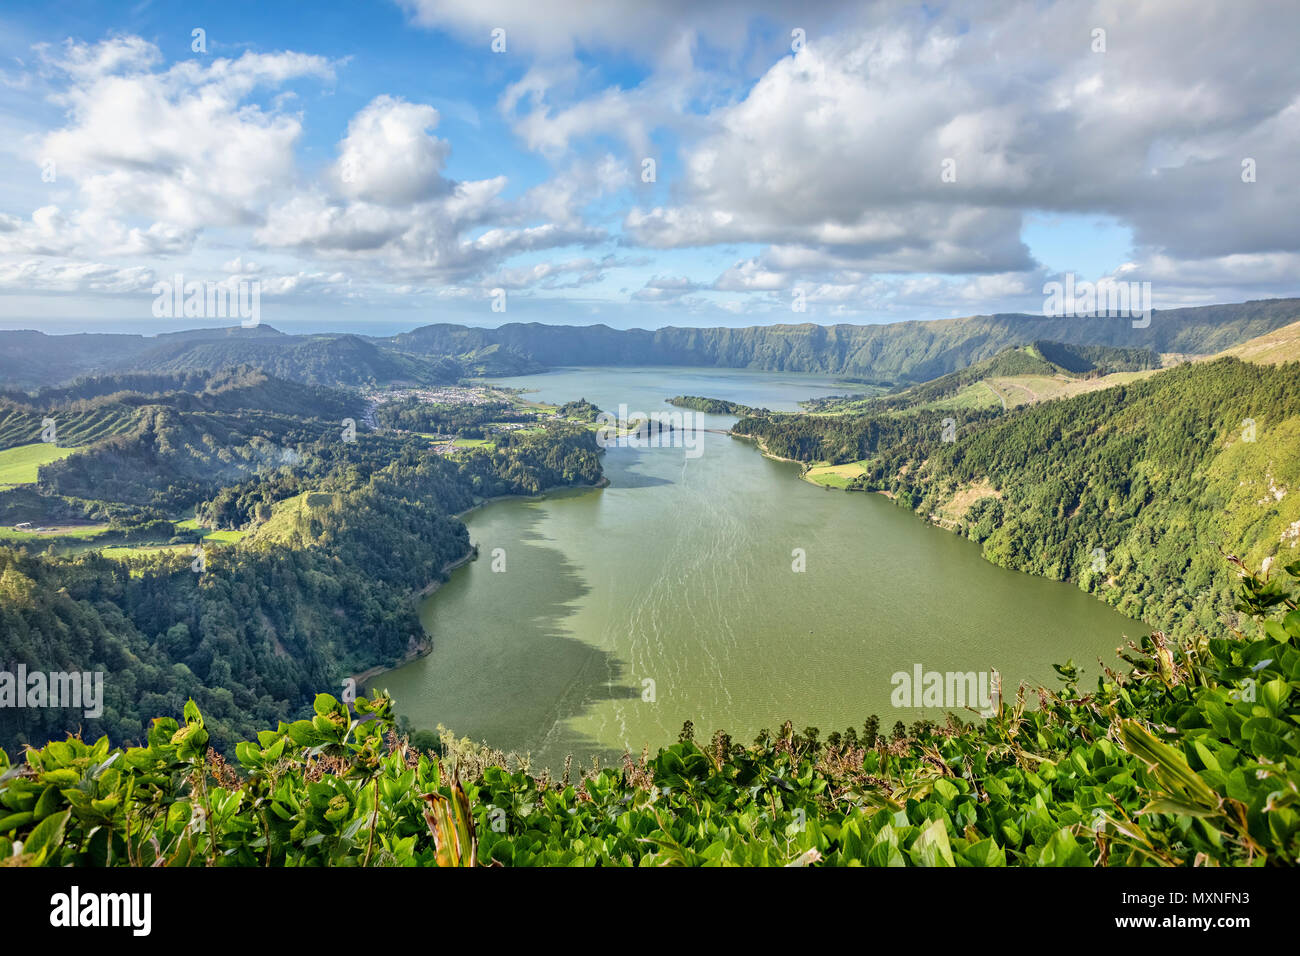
[{"x": 19, "y": 426}]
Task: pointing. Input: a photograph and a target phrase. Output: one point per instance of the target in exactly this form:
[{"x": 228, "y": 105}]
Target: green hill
[
  {"x": 1272, "y": 348},
  {"x": 319, "y": 360},
  {"x": 1161, "y": 473},
  {"x": 902, "y": 351},
  {"x": 313, "y": 562},
  {"x": 916, "y": 351}
]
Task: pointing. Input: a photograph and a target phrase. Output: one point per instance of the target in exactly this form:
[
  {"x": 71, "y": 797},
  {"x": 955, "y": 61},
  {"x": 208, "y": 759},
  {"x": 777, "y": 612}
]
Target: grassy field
[
  {"x": 833, "y": 476},
  {"x": 1014, "y": 390},
  {"x": 222, "y": 538},
  {"x": 213, "y": 537},
  {"x": 55, "y": 531},
  {"x": 143, "y": 550},
  {"x": 18, "y": 466}
]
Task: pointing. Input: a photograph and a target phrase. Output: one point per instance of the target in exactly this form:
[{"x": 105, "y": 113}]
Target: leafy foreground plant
[{"x": 1189, "y": 759}]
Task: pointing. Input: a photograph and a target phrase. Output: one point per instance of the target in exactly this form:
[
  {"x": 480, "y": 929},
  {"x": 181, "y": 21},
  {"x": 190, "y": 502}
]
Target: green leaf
[
  {"x": 47, "y": 835},
  {"x": 985, "y": 853},
  {"x": 1292, "y": 623},
  {"x": 1063, "y": 850},
  {"x": 1168, "y": 765},
  {"x": 13, "y": 821},
  {"x": 932, "y": 846},
  {"x": 1274, "y": 694},
  {"x": 48, "y": 803}
]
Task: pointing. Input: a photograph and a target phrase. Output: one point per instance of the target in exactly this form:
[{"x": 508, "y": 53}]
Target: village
[{"x": 443, "y": 443}]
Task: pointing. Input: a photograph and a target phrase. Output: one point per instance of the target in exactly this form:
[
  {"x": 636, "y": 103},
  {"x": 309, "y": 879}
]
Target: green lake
[{"x": 671, "y": 595}]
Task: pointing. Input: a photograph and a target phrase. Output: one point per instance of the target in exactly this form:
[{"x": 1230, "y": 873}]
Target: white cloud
[
  {"x": 666, "y": 289},
  {"x": 389, "y": 156},
  {"x": 827, "y": 167},
  {"x": 648, "y": 30},
  {"x": 179, "y": 148}
]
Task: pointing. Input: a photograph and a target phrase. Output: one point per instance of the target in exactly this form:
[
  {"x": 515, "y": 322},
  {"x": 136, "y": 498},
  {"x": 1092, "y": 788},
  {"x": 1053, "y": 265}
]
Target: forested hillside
[
  {"x": 33, "y": 360},
  {"x": 323, "y": 543},
  {"x": 916, "y": 351},
  {"x": 1159, "y": 475},
  {"x": 1042, "y": 360},
  {"x": 319, "y": 360}
]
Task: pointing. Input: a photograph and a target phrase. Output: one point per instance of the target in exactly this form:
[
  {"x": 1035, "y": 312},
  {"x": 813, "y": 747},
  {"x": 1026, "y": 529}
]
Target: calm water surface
[{"x": 676, "y": 583}]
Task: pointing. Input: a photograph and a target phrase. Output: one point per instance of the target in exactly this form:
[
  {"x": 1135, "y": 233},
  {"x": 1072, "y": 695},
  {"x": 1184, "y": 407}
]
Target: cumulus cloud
[
  {"x": 38, "y": 274},
  {"x": 888, "y": 163},
  {"x": 390, "y": 157},
  {"x": 389, "y": 205},
  {"x": 179, "y": 147},
  {"x": 153, "y": 158},
  {"x": 916, "y": 145}
]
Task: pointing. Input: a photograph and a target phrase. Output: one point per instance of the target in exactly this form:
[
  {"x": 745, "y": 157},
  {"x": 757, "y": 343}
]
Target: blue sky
[{"x": 379, "y": 166}]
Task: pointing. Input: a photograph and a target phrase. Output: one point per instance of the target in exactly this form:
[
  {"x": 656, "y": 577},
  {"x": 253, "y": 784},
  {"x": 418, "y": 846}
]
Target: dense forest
[
  {"x": 338, "y": 536},
  {"x": 710, "y": 406},
  {"x": 1158, "y": 475},
  {"x": 580, "y": 410}
]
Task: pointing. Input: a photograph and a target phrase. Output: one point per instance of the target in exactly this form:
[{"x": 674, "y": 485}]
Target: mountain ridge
[{"x": 916, "y": 350}]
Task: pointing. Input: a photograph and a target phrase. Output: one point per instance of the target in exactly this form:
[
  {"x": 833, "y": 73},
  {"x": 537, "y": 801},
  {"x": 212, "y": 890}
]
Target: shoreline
[
  {"x": 603, "y": 483},
  {"x": 424, "y": 644},
  {"x": 805, "y": 468},
  {"x": 762, "y": 447},
  {"x": 445, "y": 570}
]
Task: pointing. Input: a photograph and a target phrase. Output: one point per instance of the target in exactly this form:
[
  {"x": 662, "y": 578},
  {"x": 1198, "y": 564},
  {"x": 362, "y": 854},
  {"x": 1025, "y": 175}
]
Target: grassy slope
[
  {"x": 289, "y": 518},
  {"x": 19, "y": 466},
  {"x": 1274, "y": 348}
]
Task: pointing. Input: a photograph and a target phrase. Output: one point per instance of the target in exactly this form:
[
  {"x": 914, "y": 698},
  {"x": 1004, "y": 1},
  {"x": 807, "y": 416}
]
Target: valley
[{"x": 531, "y": 597}]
